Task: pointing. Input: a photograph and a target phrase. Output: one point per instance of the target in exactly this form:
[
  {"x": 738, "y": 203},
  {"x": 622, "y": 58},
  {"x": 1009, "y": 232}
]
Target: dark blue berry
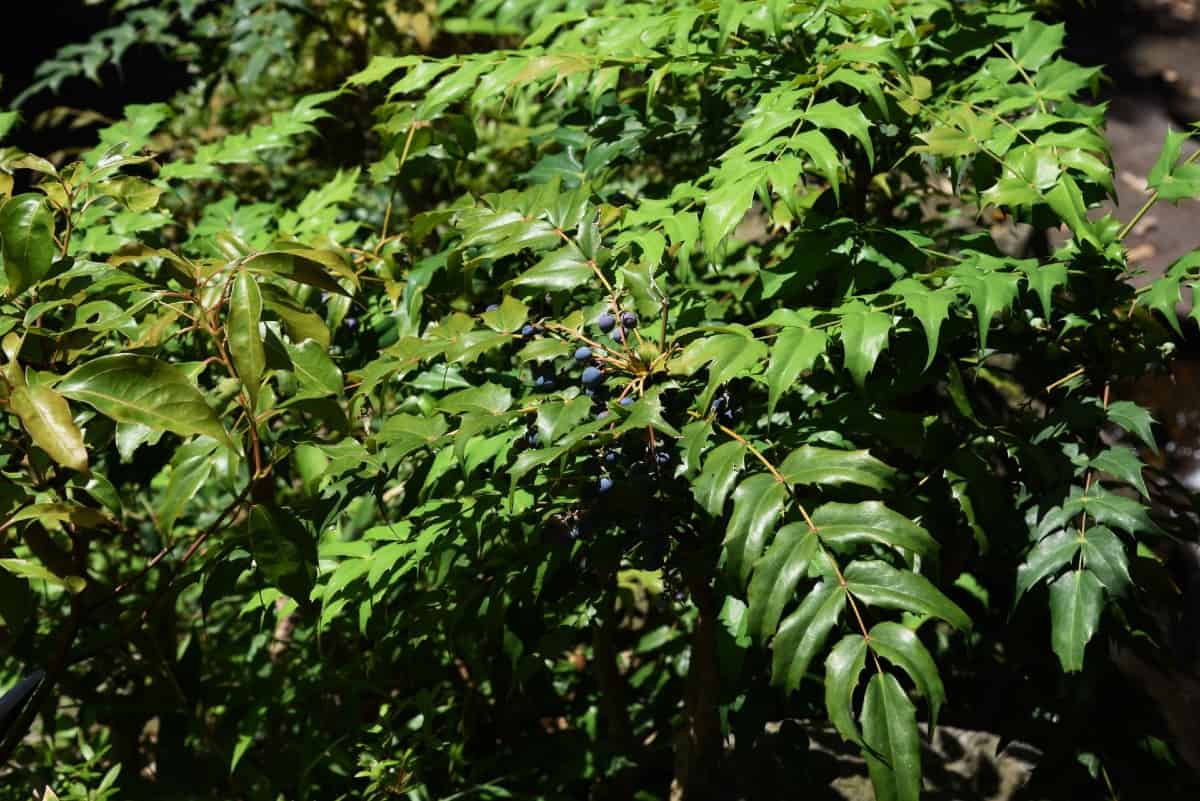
[
  {"x": 606, "y": 322},
  {"x": 527, "y": 330},
  {"x": 611, "y": 457},
  {"x": 544, "y": 382},
  {"x": 605, "y": 484},
  {"x": 492, "y": 307},
  {"x": 663, "y": 457},
  {"x": 592, "y": 376},
  {"x": 618, "y": 335},
  {"x": 583, "y": 354},
  {"x": 532, "y": 438},
  {"x": 627, "y": 400},
  {"x": 351, "y": 323},
  {"x": 603, "y": 413},
  {"x": 628, "y": 319}
]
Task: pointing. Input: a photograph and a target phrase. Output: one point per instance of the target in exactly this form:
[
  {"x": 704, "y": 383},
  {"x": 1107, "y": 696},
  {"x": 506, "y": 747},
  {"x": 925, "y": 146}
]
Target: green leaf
[
  {"x": 893, "y": 753},
  {"x": 301, "y": 323},
  {"x": 1134, "y": 419},
  {"x": 555, "y": 418},
  {"x": 1075, "y": 604},
  {"x": 803, "y": 633},
  {"x": 47, "y": 417},
  {"x": 511, "y": 315},
  {"x": 488, "y": 398},
  {"x": 1111, "y": 509},
  {"x": 823, "y": 154},
  {"x": 141, "y": 389},
  {"x": 318, "y": 268},
  {"x": 32, "y": 571},
  {"x": 811, "y": 465},
  {"x": 26, "y": 240},
  {"x": 1043, "y": 279},
  {"x": 1172, "y": 181},
  {"x": 1067, "y": 202},
  {"x": 879, "y": 584},
  {"x": 930, "y": 307},
  {"x": 1122, "y": 462},
  {"x": 991, "y": 293},
  {"x": 776, "y": 575},
  {"x": 242, "y": 332},
  {"x": 563, "y": 269},
  {"x": 283, "y": 550},
  {"x": 871, "y": 521},
  {"x": 316, "y": 373},
  {"x": 847, "y": 119},
  {"x": 757, "y": 504},
  {"x": 725, "y": 206},
  {"x": 864, "y": 337},
  {"x": 719, "y": 475},
  {"x": 191, "y": 467},
  {"x": 1036, "y": 44},
  {"x": 727, "y": 357},
  {"x": 842, "y": 669},
  {"x": 1104, "y": 556},
  {"x": 1050, "y": 554},
  {"x": 794, "y": 353},
  {"x": 901, "y": 646}
]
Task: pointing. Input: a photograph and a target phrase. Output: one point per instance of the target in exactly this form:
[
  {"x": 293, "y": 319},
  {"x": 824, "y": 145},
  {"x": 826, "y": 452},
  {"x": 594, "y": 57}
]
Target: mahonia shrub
[{"x": 660, "y": 390}]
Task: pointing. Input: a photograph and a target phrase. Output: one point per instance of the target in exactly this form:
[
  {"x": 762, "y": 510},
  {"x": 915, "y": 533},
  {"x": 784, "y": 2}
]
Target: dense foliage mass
[{"x": 577, "y": 399}]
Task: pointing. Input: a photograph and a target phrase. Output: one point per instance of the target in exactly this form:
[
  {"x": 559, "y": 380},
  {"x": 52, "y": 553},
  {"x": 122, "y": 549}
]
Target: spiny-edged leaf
[
  {"x": 47, "y": 417},
  {"x": 879, "y": 584},
  {"x": 757, "y": 504},
  {"x": 1066, "y": 200},
  {"x": 535, "y": 457},
  {"x": 901, "y": 646},
  {"x": 1036, "y": 43},
  {"x": 725, "y": 206},
  {"x": 812, "y": 465},
  {"x": 842, "y": 669},
  {"x": 1104, "y": 555},
  {"x": 695, "y": 436},
  {"x": 727, "y": 356},
  {"x": 889, "y": 726},
  {"x": 803, "y": 633},
  {"x": 871, "y": 521},
  {"x": 141, "y": 389},
  {"x": 1076, "y": 599},
  {"x": 1173, "y": 181},
  {"x": 242, "y": 331},
  {"x": 1123, "y": 463},
  {"x": 1043, "y": 279},
  {"x": 190, "y": 468},
  {"x": 319, "y": 268},
  {"x": 1050, "y": 554},
  {"x": 555, "y": 418},
  {"x": 991, "y": 293},
  {"x": 847, "y": 119},
  {"x": 1163, "y": 296},
  {"x": 823, "y": 154},
  {"x": 402, "y": 434},
  {"x": 563, "y": 269},
  {"x": 930, "y": 307},
  {"x": 1134, "y": 419},
  {"x": 486, "y": 398},
  {"x": 301, "y": 323},
  {"x": 864, "y": 337},
  {"x": 509, "y": 317},
  {"x": 26, "y": 240},
  {"x": 794, "y": 353},
  {"x": 315, "y": 372},
  {"x": 776, "y": 575},
  {"x": 1115, "y": 510},
  {"x": 719, "y": 475}
]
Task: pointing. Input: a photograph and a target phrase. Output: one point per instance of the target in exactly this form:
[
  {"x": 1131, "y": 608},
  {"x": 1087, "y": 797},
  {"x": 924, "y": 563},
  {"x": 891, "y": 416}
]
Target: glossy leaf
[
  {"x": 870, "y": 521},
  {"x": 757, "y": 504},
  {"x": 889, "y": 726},
  {"x": 901, "y": 646},
  {"x": 776, "y": 576},
  {"x": 47, "y": 417},
  {"x": 803, "y": 632},
  {"x": 812, "y": 465},
  {"x": 143, "y": 390},
  {"x": 1076, "y": 599},
  {"x": 242, "y": 332},
  {"x": 26, "y": 240},
  {"x": 879, "y": 584},
  {"x": 720, "y": 472},
  {"x": 843, "y": 667}
]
